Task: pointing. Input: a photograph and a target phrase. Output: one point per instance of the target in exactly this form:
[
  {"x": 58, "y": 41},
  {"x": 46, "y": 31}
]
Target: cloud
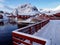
[
  {"x": 8, "y": 7},
  {"x": 2, "y": 0},
  {"x": 1, "y": 5},
  {"x": 5, "y": 7}
]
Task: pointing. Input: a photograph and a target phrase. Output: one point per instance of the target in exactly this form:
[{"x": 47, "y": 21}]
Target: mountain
[
  {"x": 57, "y": 9},
  {"x": 50, "y": 11},
  {"x": 47, "y": 11},
  {"x": 26, "y": 9}
]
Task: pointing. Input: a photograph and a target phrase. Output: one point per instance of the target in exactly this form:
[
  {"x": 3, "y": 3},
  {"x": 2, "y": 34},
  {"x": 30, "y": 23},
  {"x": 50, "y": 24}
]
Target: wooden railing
[{"x": 21, "y": 35}]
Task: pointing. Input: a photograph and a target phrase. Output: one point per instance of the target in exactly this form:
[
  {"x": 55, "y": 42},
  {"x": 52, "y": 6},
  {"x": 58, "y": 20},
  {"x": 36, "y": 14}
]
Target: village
[{"x": 26, "y": 25}]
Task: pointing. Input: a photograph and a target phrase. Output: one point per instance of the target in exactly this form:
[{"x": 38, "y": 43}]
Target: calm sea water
[{"x": 6, "y": 33}]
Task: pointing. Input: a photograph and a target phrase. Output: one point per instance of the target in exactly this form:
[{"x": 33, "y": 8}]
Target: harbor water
[{"x": 6, "y": 32}]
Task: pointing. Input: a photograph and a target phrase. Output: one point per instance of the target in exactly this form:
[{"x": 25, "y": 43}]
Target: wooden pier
[
  {"x": 26, "y": 33},
  {"x": 21, "y": 35}
]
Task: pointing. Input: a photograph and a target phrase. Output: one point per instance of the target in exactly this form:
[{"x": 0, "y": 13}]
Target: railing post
[
  {"x": 35, "y": 28},
  {"x": 31, "y": 42},
  {"x": 30, "y": 30}
]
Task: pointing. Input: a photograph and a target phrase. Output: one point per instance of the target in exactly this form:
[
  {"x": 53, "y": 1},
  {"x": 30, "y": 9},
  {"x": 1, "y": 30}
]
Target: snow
[
  {"x": 51, "y": 32},
  {"x": 47, "y": 11},
  {"x": 30, "y": 20},
  {"x": 26, "y": 21},
  {"x": 40, "y": 38},
  {"x": 57, "y": 8},
  {"x": 51, "y": 11},
  {"x": 26, "y": 9},
  {"x": 5, "y": 18}
]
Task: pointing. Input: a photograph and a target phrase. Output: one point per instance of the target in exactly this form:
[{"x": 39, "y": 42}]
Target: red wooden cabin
[
  {"x": 57, "y": 14},
  {"x": 23, "y": 16}
]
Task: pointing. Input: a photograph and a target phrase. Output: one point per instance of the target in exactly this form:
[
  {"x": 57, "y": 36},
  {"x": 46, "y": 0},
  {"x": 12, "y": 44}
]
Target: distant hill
[{"x": 50, "y": 11}]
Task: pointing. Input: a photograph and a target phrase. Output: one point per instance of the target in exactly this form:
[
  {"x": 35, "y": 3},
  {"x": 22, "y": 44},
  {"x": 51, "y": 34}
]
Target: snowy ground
[{"x": 51, "y": 31}]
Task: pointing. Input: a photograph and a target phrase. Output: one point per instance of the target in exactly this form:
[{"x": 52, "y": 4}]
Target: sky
[{"x": 7, "y": 5}]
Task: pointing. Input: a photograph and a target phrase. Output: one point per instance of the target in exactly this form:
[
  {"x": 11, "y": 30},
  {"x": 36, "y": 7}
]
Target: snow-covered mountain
[
  {"x": 26, "y": 9},
  {"x": 47, "y": 11},
  {"x": 50, "y": 11},
  {"x": 57, "y": 9}
]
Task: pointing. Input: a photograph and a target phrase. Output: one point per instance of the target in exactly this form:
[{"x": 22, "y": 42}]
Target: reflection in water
[
  {"x": 13, "y": 23},
  {"x": 20, "y": 25},
  {"x": 6, "y": 28},
  {"x": 1, "y": 23},
  {"x": 6, "y": 32}
]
